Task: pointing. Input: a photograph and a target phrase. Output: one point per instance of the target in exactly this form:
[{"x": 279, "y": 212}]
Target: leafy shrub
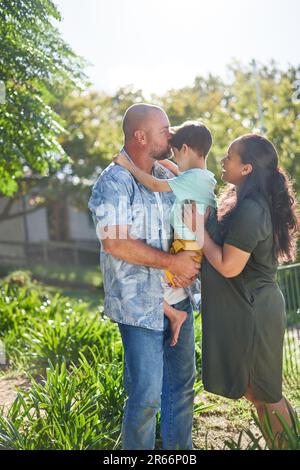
[
  {"x": 76, "y": 409},
  {"x": 36, "y": 327}
]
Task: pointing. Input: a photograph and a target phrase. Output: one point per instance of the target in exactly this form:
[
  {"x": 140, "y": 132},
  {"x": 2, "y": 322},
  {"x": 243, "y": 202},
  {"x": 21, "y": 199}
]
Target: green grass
[
  {"x": 73, "y": 357},
  {"x": 287, "y": 439},
  {"x": 36, "y": 326},
  {"x": 79, "y": 408}
]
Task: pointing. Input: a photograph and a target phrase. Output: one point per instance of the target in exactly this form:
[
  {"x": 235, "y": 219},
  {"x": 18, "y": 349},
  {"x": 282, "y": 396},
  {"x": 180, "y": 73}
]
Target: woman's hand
[
  {"x": 121, "y": 160},
  {"x": 191, "y": 217}
]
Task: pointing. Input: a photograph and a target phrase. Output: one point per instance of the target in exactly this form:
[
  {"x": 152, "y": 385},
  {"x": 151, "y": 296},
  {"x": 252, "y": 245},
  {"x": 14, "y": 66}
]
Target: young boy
[{"x": 191, "y": 143}]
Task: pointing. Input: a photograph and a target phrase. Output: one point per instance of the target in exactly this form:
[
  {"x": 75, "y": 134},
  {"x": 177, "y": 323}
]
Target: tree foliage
[
  {"x": 230, "y": 110},
  {"x": 93, "y": 122},
  {"x": 36, "y": 66}
]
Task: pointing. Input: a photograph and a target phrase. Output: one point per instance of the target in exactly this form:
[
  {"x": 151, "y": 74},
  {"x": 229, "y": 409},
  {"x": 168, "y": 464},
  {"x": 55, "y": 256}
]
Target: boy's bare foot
[
  {"x": 177, "y": 318},
  {"x": 176, "y": 324}
]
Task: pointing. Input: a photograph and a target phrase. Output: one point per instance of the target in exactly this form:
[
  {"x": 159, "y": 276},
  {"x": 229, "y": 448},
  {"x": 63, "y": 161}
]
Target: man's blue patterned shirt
[{"x": 133, "y": 294}]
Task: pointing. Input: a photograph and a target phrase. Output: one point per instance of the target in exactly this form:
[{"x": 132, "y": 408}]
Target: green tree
[
  {"x": 92, "y": 134},
  {"x": 281, "y": 112},
  {"x": 36, "y": 67},
  {"x": 93, "y": 123},
  {"x": 230, "y": 110}
]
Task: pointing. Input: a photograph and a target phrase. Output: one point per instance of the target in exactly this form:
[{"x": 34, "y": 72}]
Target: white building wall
[
  {"x": 38, "y": 226},
  {"x": 81, "y": 225},
  {"x": 12, "y": 230}
]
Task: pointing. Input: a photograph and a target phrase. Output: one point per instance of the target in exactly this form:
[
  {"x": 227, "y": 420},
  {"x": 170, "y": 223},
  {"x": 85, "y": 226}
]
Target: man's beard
[{"x": 163, "y": 155}]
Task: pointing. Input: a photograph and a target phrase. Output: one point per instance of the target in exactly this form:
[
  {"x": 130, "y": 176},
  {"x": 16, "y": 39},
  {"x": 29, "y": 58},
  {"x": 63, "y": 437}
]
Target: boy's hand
[
  {"x": 181, "y": 281},
  {"x": 170, "y": 166},
  {"x": 121, "y": 160}
]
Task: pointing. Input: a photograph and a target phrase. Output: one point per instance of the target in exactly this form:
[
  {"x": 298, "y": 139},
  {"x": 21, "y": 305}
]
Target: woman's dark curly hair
[{"x": 271, "y": 182}]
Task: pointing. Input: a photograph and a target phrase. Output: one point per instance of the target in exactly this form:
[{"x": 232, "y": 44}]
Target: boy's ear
[{"x": 185, "y": 148}]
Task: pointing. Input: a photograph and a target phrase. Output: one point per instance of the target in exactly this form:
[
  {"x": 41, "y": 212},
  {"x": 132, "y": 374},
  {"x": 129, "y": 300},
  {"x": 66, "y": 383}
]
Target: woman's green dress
[{"x": 243, "y": 318}]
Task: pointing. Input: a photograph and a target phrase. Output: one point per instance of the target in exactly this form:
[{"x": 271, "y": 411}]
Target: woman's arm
[
  {"x": 152, "y": 183},
  {"x": 227, "y": 259}
]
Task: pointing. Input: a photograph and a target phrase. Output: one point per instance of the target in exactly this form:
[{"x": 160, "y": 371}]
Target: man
[{"x": 133, "y": 226}]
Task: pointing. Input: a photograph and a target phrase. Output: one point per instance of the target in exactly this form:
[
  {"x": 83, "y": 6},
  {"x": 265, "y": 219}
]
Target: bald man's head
[
  {"x": 146, "y": 130},
  {"x": 137, "y": 117}
]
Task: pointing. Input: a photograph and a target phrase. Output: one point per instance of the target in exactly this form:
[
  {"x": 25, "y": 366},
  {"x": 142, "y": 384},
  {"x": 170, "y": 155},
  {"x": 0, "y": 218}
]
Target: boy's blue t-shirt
[{"x": 192, "y": 185}]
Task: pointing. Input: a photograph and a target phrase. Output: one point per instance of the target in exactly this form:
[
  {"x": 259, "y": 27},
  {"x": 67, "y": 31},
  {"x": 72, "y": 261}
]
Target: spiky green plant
[
  {"x": 79, "y": 408},
  {"x": 288, "y": 439}
]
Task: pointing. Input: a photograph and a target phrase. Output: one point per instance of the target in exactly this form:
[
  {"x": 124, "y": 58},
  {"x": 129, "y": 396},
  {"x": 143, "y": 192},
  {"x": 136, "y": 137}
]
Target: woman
[{"x": 243, "y": 308}]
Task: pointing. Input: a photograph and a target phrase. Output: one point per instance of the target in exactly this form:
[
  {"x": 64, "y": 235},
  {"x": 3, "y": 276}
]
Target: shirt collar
[{"x": 123, "y": 151}]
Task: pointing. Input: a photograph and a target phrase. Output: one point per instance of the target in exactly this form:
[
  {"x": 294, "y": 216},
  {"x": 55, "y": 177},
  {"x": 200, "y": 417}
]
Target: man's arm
[
  {"x": 152, "y": 183},
  {"x": 138, "y": 252}
]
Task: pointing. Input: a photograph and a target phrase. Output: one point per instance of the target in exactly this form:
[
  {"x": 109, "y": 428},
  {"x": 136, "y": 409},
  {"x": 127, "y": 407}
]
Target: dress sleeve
[{"x": 250, "y": 225}]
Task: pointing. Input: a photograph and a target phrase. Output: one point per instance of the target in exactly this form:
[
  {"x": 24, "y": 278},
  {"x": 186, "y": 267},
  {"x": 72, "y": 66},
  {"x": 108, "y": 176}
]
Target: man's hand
[{"x": 183, "y": 264}]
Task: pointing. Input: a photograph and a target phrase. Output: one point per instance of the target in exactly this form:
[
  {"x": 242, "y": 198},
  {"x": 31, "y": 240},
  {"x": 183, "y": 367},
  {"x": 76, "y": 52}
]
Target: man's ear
[
  {"x": 140, "y": 136},
  {"x": 247, "y": 169}
]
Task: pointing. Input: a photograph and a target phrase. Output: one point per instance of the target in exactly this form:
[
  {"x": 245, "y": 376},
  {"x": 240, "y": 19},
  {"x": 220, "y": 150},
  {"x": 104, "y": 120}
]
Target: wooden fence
[{"x": 50, "y": 252}]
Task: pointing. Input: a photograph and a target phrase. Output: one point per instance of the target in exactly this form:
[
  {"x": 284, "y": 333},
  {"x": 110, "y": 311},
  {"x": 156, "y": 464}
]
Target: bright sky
[{"x": 161, "y": 44}]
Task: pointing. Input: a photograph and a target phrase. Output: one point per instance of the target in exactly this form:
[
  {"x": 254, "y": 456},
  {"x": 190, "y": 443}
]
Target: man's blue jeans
[{"x": 159, "y": 377}]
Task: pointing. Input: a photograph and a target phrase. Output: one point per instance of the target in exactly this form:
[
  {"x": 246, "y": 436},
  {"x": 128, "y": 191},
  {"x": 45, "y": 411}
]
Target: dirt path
[
  {"x": 215, "y": 427},
  {"x": 8, "y": 390}
]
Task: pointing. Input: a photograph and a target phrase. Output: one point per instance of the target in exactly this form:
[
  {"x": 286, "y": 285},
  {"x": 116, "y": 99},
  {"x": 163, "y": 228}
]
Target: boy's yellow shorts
[{"x": 184, "y": 245}]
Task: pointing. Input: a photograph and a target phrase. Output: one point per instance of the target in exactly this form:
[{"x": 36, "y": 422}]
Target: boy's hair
[{"x": 194, "y": 134}]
